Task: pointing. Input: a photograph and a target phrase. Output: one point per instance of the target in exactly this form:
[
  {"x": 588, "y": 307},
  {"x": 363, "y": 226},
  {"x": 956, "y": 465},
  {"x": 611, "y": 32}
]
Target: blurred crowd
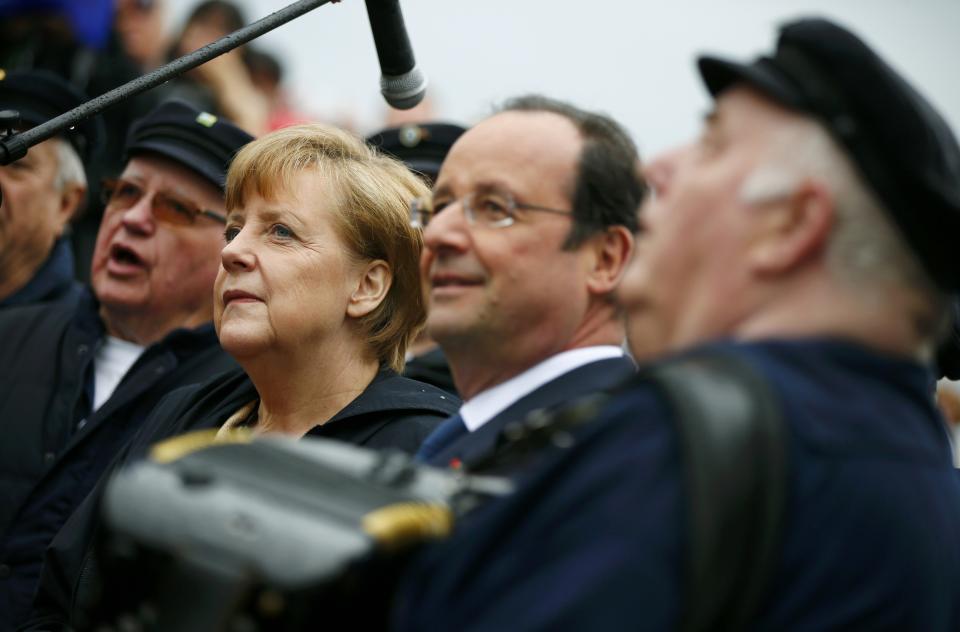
[
  {"x": 98, "y": 45},
  {"x": 720, "y": 382}
]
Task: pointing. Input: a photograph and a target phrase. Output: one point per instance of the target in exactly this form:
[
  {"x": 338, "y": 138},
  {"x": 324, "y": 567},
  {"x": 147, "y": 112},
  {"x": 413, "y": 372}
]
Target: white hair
[
  {"x": 69, "y": 167},
  {"x": 865, "y": 251}
]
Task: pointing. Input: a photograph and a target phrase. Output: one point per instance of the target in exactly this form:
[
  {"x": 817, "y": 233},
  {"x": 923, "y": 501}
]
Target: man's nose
[
  {"x": 139, "y": 217},
  {"x": 448, "y": 228}
]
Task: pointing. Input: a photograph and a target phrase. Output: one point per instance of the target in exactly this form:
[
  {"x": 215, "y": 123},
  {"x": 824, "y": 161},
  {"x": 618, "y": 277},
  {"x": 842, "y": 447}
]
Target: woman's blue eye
[
  {"x": 281, "y": 231},
  {"x": 230, "y": 233}
]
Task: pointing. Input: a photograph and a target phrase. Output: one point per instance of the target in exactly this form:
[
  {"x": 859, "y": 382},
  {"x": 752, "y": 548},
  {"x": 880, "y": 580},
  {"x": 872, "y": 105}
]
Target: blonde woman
[{"x": 317, "y": 298}]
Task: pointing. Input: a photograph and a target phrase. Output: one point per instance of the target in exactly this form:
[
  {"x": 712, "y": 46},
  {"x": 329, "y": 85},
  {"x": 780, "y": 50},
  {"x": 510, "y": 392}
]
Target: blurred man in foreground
[
  {"x": 76, "y": 383},
  {"x": 806, "y": 237},
  {"x": 526, "y": 236}
]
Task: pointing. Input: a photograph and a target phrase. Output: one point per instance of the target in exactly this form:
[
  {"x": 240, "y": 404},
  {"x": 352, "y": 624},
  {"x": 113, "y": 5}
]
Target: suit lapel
[{"x": 583, "y": 380}]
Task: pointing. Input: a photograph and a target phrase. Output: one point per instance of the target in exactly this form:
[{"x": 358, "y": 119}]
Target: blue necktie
[{"x": 441, "y": 437}]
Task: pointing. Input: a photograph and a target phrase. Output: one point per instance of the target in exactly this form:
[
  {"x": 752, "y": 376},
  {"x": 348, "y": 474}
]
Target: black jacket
[
  {"x": 590, "y": 378},
  {"x": 53, "y": 280},
  {"x": 393, "y": 412},
  {"x": 52, "y": 448},
  {"x": 431, "y": 367}
]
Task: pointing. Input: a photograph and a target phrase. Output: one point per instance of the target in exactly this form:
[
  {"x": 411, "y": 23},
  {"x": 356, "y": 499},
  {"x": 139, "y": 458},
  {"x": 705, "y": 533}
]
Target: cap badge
[
  {"x": 411, "y": 135},
  {"x": 206, "y": 119}
]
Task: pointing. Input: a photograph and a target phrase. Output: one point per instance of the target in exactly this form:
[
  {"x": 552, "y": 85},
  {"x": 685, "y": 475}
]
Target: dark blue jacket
[
  {"x": 589, "y": 378},
  {"x": 52, "y": 448},
  {"x": 392, "y": 412},
  {"x": 595, "y": 537},
  {"x": 53, "y": 281}
]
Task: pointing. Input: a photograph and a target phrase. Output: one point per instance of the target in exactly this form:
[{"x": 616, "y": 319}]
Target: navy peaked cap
[
  {"x": 39, "y": 96},
  {"x": 903, "y": 148},
  {"x": 421, "y": 147},
  {"x": 198, "y": 140}
]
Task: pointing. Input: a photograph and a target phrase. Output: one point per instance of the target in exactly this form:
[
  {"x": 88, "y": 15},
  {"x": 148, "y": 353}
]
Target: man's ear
[
  {"x": 373, "y": 284},
  {"x": 72, "y": 200},
  {"x": 610, "y": 252},
  {"x": 794, "y": 231}
]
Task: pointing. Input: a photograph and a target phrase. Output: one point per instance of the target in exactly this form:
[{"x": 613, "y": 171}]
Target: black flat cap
[
  {"x": 421, "y": 147},
  {"x": 40, "y": 95},
  {"x": 198, "y": 140},
  {"x": 903, "y": 148}
]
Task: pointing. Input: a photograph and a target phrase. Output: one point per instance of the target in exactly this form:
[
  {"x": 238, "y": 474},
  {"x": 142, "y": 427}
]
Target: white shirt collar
[{"x": 487, "y": 404}]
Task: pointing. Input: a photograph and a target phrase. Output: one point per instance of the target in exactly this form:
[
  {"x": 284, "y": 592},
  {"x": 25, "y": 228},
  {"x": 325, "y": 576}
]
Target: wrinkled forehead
[
  {"x": 519, "y": 150},
  {"x": 745, "y": 115}
]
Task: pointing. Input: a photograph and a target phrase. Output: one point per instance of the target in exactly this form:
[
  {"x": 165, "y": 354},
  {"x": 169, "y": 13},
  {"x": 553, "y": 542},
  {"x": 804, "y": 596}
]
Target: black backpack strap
[{"x": 733, "y": 446}]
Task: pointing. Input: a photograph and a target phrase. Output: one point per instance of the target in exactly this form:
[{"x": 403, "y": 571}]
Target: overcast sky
[{"x": 630, "y": 58}]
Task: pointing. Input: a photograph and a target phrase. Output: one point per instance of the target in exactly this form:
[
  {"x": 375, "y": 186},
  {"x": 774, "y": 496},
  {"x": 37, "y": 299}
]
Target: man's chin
[
  {"x": 120, "y": 296},
  {"x": 452, "y": 332}
]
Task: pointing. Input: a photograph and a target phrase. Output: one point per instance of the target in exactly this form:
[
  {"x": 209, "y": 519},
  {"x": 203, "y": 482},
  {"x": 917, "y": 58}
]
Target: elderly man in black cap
[
  {"x": 76, "y": 383},
  {"x": 422, "y": 147},
  {"x": 783, "y": 466},
  {"x": 42, "y": 192}
]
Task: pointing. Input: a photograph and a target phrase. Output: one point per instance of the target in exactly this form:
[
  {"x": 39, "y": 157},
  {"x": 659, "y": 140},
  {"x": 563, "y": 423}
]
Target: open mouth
[{"x": 125, "y": 257}]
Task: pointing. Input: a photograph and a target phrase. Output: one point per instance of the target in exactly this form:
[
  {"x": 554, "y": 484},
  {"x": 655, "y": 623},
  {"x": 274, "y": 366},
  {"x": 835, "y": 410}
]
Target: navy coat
[
  {"x": 392, "y": 412},
  {"x": 584, "y": 380},
  {"x": 52, "y": 448},
  {"x": 595, "y": 537},
  {"x": 431, "y": 367},
  {"x": 53, "y": 280}
]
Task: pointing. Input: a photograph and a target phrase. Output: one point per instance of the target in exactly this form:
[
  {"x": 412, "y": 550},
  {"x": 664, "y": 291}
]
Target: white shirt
[
  {"x": 114, "y": 358},
  {"x": 487, "y": 404}
]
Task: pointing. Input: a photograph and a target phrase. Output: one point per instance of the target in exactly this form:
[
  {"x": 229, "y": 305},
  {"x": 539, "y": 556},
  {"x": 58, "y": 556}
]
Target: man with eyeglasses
[
  {"x": 42, "y": 192},
  {"x": 526, "y": 234},
  {"x": 75, "y": 383}
]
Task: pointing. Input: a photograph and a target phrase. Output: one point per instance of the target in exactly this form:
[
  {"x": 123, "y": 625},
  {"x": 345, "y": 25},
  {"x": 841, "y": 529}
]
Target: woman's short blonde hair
[{"x": 372, "y": 194}]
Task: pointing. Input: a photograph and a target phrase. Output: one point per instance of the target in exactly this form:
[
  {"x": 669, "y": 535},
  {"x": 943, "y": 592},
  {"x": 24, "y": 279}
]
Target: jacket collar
[
  {"x": 584, "y": 380},
  {"x": 54, "y": 279}
]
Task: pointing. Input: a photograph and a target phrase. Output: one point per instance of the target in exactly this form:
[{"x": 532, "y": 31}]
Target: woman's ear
[{"x": 372, "y": 287}]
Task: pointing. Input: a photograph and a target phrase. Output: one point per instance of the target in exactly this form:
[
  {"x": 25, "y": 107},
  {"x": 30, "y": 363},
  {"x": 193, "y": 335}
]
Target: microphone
[{"x": 402, "y": 83}]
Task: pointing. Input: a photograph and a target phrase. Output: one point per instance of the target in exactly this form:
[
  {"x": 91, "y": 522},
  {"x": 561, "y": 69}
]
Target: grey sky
[{"x": 632, "y": 59}]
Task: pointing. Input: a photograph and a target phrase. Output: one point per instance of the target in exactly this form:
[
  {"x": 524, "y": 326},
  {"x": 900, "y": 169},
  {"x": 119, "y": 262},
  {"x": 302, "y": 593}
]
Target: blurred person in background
[
  {"x": 42, "y": 191},
  {"x": 422, "y": 147},
  {"x": 141, "y": 27},
  {"x": 266, "y": 72},
  {"x": 78, "y": 42},
  {"x": 76, "y": 383},
  {"x": 423, "y": 112},
  {"x": 222, "y": 85}
]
